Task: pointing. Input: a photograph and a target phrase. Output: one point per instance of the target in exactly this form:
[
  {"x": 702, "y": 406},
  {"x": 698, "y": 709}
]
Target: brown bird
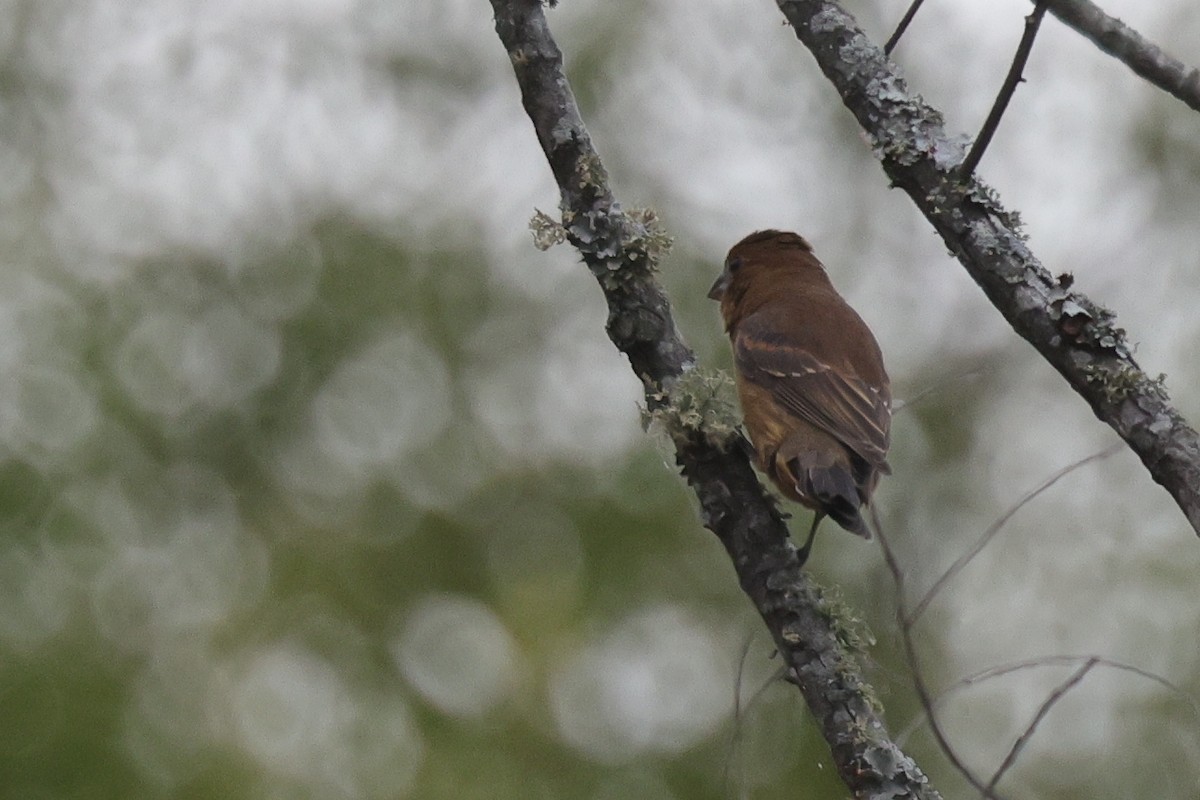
[{"x": 815, "y": 396}]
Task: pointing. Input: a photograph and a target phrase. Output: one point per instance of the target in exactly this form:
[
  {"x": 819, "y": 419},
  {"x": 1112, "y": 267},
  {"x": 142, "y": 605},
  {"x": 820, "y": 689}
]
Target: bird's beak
[{"x": 718, "y": 289}]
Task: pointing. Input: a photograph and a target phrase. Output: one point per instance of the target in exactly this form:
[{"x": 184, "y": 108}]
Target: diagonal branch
[
  {"x": 1075, "y": 335},
  {"x": 961, "y": 562},
  {"x": 1045, "y": 661},
  {"x": 902, "y": 26},
  {"x": 1059, "y": 692},
  {"x": 1129, "y": 47},
  {"x": 904, "y": 619},
  {"x": 617, "y": 248},
  {"x": 1014, "y": 77}
]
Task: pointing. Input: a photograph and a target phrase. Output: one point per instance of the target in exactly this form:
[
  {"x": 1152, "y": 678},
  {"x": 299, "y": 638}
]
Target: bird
[{"x": 815, "y": 397}]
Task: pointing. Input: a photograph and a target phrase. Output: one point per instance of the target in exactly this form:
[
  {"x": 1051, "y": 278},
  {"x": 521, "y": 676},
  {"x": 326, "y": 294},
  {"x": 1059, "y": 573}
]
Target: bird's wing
[{"x": 843, "y": 405}]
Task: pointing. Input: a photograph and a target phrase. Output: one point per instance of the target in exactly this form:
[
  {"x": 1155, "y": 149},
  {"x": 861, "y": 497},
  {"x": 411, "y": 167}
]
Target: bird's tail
[{"x": 836, "y": 494}]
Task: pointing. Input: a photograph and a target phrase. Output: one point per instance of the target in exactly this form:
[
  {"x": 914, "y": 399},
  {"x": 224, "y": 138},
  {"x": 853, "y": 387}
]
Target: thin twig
[
  {"x": 1123, "y": 43},
  {"x": 1045, "y": 661},
  {"x": 914, "y": 665},
  {"x": 995, "y": 527},
  {"x": 739, "y": 708},
  {"x": 901, "y": 405},
  {"x": 902, "y": 27},
  {"x": 1032, "y": 23},
  {"x": 1023, "y": 739}
]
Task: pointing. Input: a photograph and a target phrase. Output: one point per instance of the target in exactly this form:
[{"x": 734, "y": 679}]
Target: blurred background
[{"x": 317, "y": 480}]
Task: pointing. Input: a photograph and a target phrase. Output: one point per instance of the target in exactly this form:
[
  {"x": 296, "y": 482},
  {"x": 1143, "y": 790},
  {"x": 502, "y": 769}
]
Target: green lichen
[
  {"x": 650, "y": 240},
  {"x": 547, "y": 231},
  {"x": 1158, "y": 386},
  {"x": 853, "y": 635},
  {"x": 850, "y": 629},
  {"x": 591, "y": 172},
  {"x": 1120, "y": 383},
  {"x": 698, "y": 403},
  {"x": 618, "y": 246}
]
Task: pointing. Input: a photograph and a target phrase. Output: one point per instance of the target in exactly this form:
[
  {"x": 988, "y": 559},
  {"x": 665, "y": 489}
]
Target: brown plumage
[{"x": 815, "y": 396}]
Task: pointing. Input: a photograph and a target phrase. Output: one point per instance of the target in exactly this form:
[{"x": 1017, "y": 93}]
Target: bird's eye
[{"x": 733, "y": 264}]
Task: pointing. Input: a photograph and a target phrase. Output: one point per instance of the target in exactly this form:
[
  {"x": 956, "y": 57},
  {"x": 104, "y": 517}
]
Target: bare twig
[
  {"x": 902, "y": 27},
  {"x": 739, "y": 708},
  {"x": 995, "y": 527},
  {"x": 909, "y": 402},
  {"x": 1042, "y": 711},
  {"x": 1014, "y": 77},
  {"x": 907, "y": 620},
  {"x": 1076, "y": 336},
  {"x": 914, "y": 665},
  {"x": 1045, "y": 661},
  {"x": 1132, "y": 49},
  {"x": 620, "y": 252}
]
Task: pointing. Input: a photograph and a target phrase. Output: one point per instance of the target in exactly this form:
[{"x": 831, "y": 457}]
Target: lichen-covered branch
[
  {"x": 1076, "y": 336},
  {"x": 620, "y": 249},
  {"x": 1129, "y": 47}
]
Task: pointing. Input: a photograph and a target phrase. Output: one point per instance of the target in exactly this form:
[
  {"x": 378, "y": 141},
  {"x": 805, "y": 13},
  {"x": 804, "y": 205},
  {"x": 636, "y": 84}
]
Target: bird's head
[{"x": 764, "y": 261}]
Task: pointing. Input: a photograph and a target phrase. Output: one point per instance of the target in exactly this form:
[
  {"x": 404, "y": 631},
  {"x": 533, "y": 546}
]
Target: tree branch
[
  {"x": 618, "y": 249},
  {"x": 1059, "y": 692},
  {"x": 1129, "y": 47},
  {"x": 961, "y": 562},
  {"x": 1047, "y": 661},
  {"x": 905, "y": 623},
  {"x": 1076, "y": 336}
]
